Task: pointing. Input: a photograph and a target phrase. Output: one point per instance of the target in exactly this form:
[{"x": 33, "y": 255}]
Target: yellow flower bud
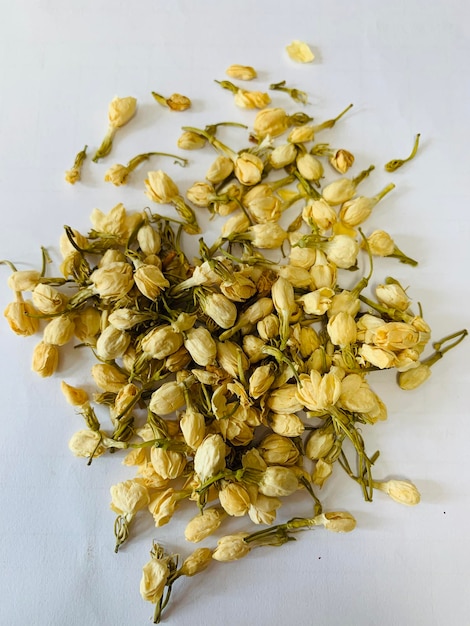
[
  {"x": 167, "y": 398},
  {"x": 48, "y": 300},
  {"x": 261, "y": 380},
  {"x": 162, "y": 506},
  {"x": 248, "y": 168},
  {"x": 128, "y": 497},
  {"x": 234, "y": 499},
  {"x": 231, "y": 548},
  {"x": 45, "y": 359},
  {"x": 319, "y": 443},
  {"x": 300, "y": 52},
  {"x": 320, "y": 212},
  {"x": 160, "y": 187},
  {"x": 251, "y": 99},
  {"x": 267, "y": 236},
  {"x": 219, "y": 170},
  {"x": 19, "y": 315},
  {"x": 117, "y": 174},
  {"x": 278, "y": 481},
  {"x": 161, "y": 341},
  {"x": 283, "y": 155},
  {"x": 284, "y": 400},
  {"x": 150, "y": 281},
  {"x": 108, "y": 377},
  {"x": 414, "y": 377},
  {"x": 178, "y": 102},
  {"x": 74, "y": 395},
  {"x": 113, "y": 281},
  {"x": 396, "y": 336},
  {"x": 59, "y": 330},
  {"x": 219, "y": 308},
  {"x": 121, "y": 110},
  {"x": 316, "y": 302},
  {"x": 252, "y": 347},
  {"x": 342, "y": 250},
  {"x": 341, "y": 522},
  {"x": 309, "y": 166},
  {"x": 193, "y": 427},
  {"x": 149, "y": 239},
  {"x": 85, "y": 443},
  {"x": 301, "y": 134},
  {"x": 167, "y": 463},
  {"x": 191, "y": 141},
  {"x": 287, "y": 424},
  {"x": 209, "y": 459},
  {"x": 378, "y": 357},
  {"x": 271, "y": 122},
  {"x": 24, "y": 280},
  {"x": 263, "y": 508},
  {"x": 200, "y": 345},
  {"x": 238, "y": 288},
  {"x": 317, "y": 392},
  {"x": 401, "y": 491},
  {"x": 321, "y": 473},
  {"x": 278, "y": 450},
  {"x": 196, "y": 562},
  {"x": 204, "y": 524},
  {"x": 241, "y": 72},
  {"x": 342, "y": 329},
  {"x": 342, "y": 160},
  {"x": 393, "y": 296},
  {"x": 155, "y": 574},
  {"x": 356, "y": 395},
  {"x": 112, "y": 343}
]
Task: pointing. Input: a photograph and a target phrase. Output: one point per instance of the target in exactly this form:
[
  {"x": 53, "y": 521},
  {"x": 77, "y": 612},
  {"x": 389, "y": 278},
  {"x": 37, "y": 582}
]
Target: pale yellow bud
[
  {"x": 267, "y": 209},
  {"x": 231, "y": 548},
  {"x": 150, "y": 281},
  {"x": 219, "y": 308},
  {"x": 317, "y": 392},
  {"x": 320, "y": 212},
  {"x": 287, "y": 424},
  {"x": 59, "y": 330},
  {"x": 300, "y": 52},
  {"x": 339, "y": 191},
  {"x": 414, "y": 377},
  {"x": 396, "y": 336},
  {"x": 178, "y": 102},
  {"x": 302, "y": 257},
  {"x": 113, "y": 281},
  {"x": 167, "y": 463},
  {"x": 125, "y": 399},
  {"x": 263, "y": 508},
  {"x": 346, "y": 302},
  {"x": 117, "y": 174},
  {"x": 380, "y": 243},
  {"x": 261, "y": 380},
  {"x": 234, "y": 499},
  {"x": 19, "y": 315},
  {"x": 108, "y": 377},
  {"x": 248, "y": 168},
  {"x": 191, "y": 141},
  {"x": 125, "y": 319},
  {"x": 316, "y": 302},
  {"x": 161, "y": 341},
  {"x": 160, "y": 187},
  {"x": 162, "y": 505},
  {"x": 23, "y": 280},
  {"x": 66, "y": 247},
  {"x": 251, "y": 99},
  {"x": 112, "y": 343},
  {"x": 284, "y": 400},
  {"x": 231, "y": 358},
  {"x": 309, "y": 166},
  {"x": 307, "y": 339},
  {"x": 342, "y": 329},
  {"x": 121, "y": 110},
  {"x": 267, "y": 328},
  {"x": 112, "y": 255},
  {"x": 283, "y": 155},
  {"x": 45, "y": 359},
  {"x": 85, "y": 443},
  {"x": 271, "y": 122},
  {"x": 209, "y": 459},
  {"x": 201, "y": 194},
  {"x": 321, "y": 473},
  {"x": 149, "y": 239},
  {"x": 236, "y": 224},
  {"x": 278, "y": 450},
  {"x": 200, "y": 345},
  {"x": 298, "y": 276},
  {"x": 219, "y": 170},
  {"x": 340, "y": 522},
  {"x": 319, "y": 443},
  {"x": 342, "y": 160},
  {"x": 241, "y": 72},
  {"x": 401, "y": 491},
  {"x": 378, "y": 357},
  {"x": 48, "y": 300},
  {"x": 167, "y": 398},
  {"x": 278, "y": 481},
  {"x": 196, "y": 562},
  {"x": 342, "y": 250},
  {"x": 393, "y": 296},
  {"x": 193, "y": 427},
  {"x": 155, "y": 574},
  {"x": 356, "y": 395},
  {"x": 253, "y": 348},
  {"x": 178, "y": 361},
  {"x": 128, "y": 497},
  {"x": 301, "y": 134},
  {"x": 204, "y": 524},
  {"x": 74, "y": 395}
]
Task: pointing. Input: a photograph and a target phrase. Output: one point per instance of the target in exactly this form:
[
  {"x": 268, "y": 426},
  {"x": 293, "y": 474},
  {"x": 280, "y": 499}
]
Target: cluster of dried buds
[{"x": 234, "y": 381}]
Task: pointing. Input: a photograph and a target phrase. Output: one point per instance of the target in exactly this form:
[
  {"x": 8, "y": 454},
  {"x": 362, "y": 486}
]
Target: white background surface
[{"x": 404, "y": 65}]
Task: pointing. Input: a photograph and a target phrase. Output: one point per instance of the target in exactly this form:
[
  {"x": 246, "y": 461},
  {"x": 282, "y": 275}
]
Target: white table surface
[{"x": 404, "y": 65}]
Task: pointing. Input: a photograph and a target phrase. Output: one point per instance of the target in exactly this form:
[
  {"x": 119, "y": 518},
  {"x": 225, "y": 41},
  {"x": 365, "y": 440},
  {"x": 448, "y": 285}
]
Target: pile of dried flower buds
[{"x": 237, "y": 379}]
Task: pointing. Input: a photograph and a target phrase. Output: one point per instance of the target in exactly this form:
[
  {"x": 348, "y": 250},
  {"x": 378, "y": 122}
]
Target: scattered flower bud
[
  {"x": 241, "y": 72},
  {"x": 231, "y": 548},
  {"x": 20, "y": 317},
  {"x": 209, "y": 459},
  {"x": 401, "y": 491},
  {"x": 342, "y": 160},
  {"x": 45, "y": 359},
  {"x": 196, "y": 562},
  {"x": 204, "y": 524},
  {"x": 300, "y": 52}
]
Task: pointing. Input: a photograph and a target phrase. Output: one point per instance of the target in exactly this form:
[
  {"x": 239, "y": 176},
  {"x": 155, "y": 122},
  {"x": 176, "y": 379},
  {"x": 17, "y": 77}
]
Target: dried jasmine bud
[
  {"x": 175, "y": 102},
  {"x": 295, "y": 94},
  {"x": 118, "y": 174},
  {"x": 120, "y": 112},
  {"x": 241, "y": 72},
  {"x": 300, "y": 52}
]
